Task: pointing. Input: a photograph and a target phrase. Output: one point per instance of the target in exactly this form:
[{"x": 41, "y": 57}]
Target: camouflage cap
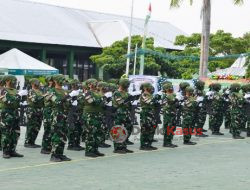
[
  {"x": 1, "y": 80},
  {"x": 84, "y": 85},
  {"x": 124, "y": 83},
  {"x": 49, "y": 78},
  {"x": 245, "y": 88},
  {"x": 235, "y": 87},
  {"x": 59, "y": 78},
  {"x": 34, "y": 81},
  {"x": 167, "y": 86},
  {"x": 112, "y": 87},
  {"x": 9, "y": 77},
  {"x": 215, "y": 86},
  {"x": 102, "y": 84},
  {"x": 184, "y": 85},
  {"x": 147, "y": 86},
  {"x": 189, "y": 89},
  {"x": 113, "y": 81},
  {"x": 91, "y": 81},
  {"x": 199, "y": 84},
  {"x": 73, "y": 81}
]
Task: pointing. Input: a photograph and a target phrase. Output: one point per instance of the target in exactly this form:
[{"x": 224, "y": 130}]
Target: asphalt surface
[{"x": 216, "y": 162}]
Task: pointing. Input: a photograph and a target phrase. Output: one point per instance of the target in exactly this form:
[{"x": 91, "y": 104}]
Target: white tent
[
  {"x": 19, "y": 63},
  {"x": 238, "y": 68}
]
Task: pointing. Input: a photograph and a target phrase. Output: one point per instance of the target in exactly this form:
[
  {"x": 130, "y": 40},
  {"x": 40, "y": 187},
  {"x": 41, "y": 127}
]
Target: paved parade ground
[{"x": 214, "y": 163}]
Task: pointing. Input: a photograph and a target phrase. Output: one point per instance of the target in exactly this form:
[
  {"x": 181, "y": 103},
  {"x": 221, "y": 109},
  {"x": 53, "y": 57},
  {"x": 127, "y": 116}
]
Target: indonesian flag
[{"x": 148, "y": 15}]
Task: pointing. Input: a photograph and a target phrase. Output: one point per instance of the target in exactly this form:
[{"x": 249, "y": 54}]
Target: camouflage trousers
[
  {"x": 74, "y": 133},
  {"x": 227, "y": 118},
  {"x": 10, "y": 130},
  {"x": 248, "y": 126},
  {"x": 123, "y": 119},
  {"x": 169, "y": 126},
  {"x": 34, "y": 122},
  {"x": 200, "y": 119},
  {"x": 59, "y": 133},
  {"x": 235, "y": 123},
  {"x": 147, "y": 128},
  {"x": 93, "y": 131},
  {"x": 47, "y": 122},
  {"x": 215, "y": 121},
  {"x": 187, "y": 128}
]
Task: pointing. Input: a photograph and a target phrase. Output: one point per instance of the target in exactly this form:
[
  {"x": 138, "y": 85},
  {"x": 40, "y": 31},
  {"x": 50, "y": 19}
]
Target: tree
[
  {"x": 114, "y": 59},
  {"x": 206, "y": 21},
  {"x": 221, "y": 43}
]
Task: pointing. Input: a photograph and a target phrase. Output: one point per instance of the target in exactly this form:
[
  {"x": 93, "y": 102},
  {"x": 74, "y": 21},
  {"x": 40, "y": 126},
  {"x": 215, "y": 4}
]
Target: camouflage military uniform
[
  {"x": 92, "y": 115},
  {"x": 216, "y": 113},
  {"x": 147, "y": 118},
  {"x": 1, "y": 105},
  {"x": 226, "y": 105},
  {"x": 74, "y": 119},
  {"x": 47, "y": 118},
  {"x": 181, "y": 98},
  {"x": 201, "y": 112},
  {"x": 10, "y": 119},
  {"x": 122, "y": 103},
  {"x": 169, "y": 108},
  {"x": 34, "y": 115},
  {"x": 246, "y": 110},
  {"x": 236, "y": 108},
  {"x": 60, "y": 107},
  {"x": 189, "y": 109}
]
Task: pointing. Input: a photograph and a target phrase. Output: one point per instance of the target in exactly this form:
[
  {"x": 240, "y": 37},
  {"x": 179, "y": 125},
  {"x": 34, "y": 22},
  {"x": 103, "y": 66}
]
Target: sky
[{"x": 225, "y": 15}]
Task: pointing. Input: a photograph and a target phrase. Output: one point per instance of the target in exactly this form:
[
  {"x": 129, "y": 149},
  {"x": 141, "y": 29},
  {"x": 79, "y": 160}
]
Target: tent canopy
[
  {"x": 238, "y": 68},
  {"x": 19, "y": 63}
]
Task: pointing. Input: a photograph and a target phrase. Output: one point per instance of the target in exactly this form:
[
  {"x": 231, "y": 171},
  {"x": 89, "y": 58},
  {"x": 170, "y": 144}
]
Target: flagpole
[
  {"x": 129, "y": 38},
  {"x": 136, "y": 48},
  {"x": 142, "y": 57}
]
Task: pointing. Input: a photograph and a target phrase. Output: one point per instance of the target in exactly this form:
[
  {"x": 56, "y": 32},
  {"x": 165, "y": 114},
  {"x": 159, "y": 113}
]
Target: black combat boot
[
  {"x": 128, "y": 151},
  {"x": 6, "y": 155},
  {"x": 170, "y": 145},
  {"x": 32, "y": 145},
  {"x": 129, "y": 142},
  {"x": 99, "y": 154},
  {"x": 15, "y": 154},
  {"x": 91, "y": 154},
  {"x": 152, "y": 147},
  {"x": 104, "y": 145},
  {"x": 238, "y": 137},
  {"x": 44, "y": 151},
  {"x": 120, "y": 151},
  {"x": 55, "y": 158},
  {"x": 189, "y": 143},
  {"x": 64, "y": 158}
]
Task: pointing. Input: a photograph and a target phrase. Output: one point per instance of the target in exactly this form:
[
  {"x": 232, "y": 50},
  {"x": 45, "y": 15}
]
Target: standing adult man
[
  {"x": 93, "y": 108},
  {"x": 236, "y": 107},
  {"x": 60, "y": 106},
  {"x": 47, "y": 116},
  {"x": 169, "y": 108},
  {"x": 10, "y": 118},
  {"x": 189, "y": 108},
  {"x": 246, "y": 90},
  {"x": 122, "y": 103},
  {"x": 147, "y": 117},
  {"x": 1, "y": 105},
  {"x": 74, "y": 118},
  {"x": 34, "y": 114},
  {"x": 201, "y": 112},
  {"x": 216, "y": 113}
]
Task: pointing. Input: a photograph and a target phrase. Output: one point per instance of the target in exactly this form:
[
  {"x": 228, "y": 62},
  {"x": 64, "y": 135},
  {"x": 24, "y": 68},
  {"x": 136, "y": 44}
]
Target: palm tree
[{"x": 206, "y": 20}]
